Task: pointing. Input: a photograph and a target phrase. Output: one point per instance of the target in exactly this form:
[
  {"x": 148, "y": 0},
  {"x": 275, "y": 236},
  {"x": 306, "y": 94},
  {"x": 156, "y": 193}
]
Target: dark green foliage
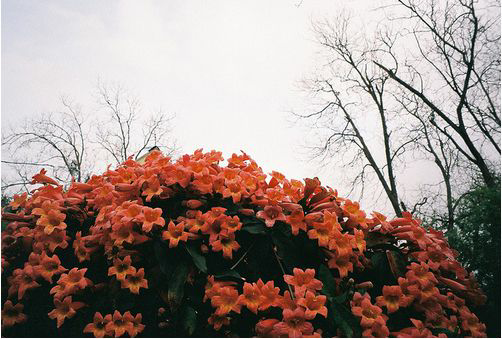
[{"x": 476, "y": 236}]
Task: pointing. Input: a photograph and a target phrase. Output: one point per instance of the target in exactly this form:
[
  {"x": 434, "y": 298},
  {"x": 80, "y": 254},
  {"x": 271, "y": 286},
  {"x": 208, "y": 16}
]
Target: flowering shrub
[{"x": 192, "y": 248}]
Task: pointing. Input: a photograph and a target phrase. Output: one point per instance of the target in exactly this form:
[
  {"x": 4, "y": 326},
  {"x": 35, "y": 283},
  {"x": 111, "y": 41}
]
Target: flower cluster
[{"x": 215, "y": 247}]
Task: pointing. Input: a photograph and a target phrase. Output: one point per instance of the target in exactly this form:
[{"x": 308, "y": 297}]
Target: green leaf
[
  {"x": 161, "y": 253},
  {"x": 328, "y": 282},
  {"x": 255, "y": 228},
  {"x": 198, "y": 259},
  {"x": 189, "y": 320},
  {"x": 176, "y": 285},
  {"x": 229, "y": 274},
  {"x": 376, "y": 238},
  {"x": 344, "y": 319}
]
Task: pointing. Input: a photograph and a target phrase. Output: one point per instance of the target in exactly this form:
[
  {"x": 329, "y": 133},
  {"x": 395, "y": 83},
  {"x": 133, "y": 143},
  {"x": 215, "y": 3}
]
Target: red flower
[
  {"x": 175, "y": 233},
  {"x": 251, "y": 297},
  {"x": 294, "y": 323},
  {"x": 12, "y": 314},
  {"x": 121, "y": 324},
  {"x": 226, "y": 300},
  {"x": 265, "y": 328},
  {"x": 392, "y": 298},
  {"x": 314, "y": 304},
  {"x": 226, "y": 243},
  {"x": 218, "y": 321},
  {"x": 51, "y": 221},
  {"x": 271, "y": 214},
  {"x": 64, "y": 309},
  {"x": 121, "y": 268},
  {"x": 41, "y": 178},
  {"x": 150, "y": 217},
  {"x": 303, "y": 281},
  {"x": 49, "y": 266},
  {"x": 134, "y": 281},
  {"x": 297, "y": 221},
  {"x": 97, "y": 327},
  {"x": 368, "y": 313},
  {"x": 270, "y": 294},
  {"x": 341, "y": 262}
]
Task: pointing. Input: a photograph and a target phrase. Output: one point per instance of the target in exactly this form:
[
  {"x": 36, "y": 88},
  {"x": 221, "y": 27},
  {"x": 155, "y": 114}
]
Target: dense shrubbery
[{"x": 191, "y": 248}]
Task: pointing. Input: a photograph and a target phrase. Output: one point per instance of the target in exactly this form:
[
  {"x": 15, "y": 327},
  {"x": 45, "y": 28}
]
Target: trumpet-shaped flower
[
  {"x": 175, "y": 233},
  {"x": 135, "y": 281},
  {"x": 64, "y": 309},
  {"x": 12, "y": 314},
  {"x": 97, "y": 327}
]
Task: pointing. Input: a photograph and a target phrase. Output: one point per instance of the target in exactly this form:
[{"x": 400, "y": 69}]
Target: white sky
[{"x": 229, "y": 70}]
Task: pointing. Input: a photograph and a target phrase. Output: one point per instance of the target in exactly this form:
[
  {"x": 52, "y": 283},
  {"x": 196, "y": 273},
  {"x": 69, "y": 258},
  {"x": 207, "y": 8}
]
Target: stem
[
  {"x": 243, "y": 256},
  {"x": 284, "y": 273}
]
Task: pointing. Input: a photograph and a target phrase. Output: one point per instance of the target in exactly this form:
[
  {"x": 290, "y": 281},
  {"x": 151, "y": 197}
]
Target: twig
[
  {"x": 243, "y": 256},
  {"x": 284, "y": 273}
]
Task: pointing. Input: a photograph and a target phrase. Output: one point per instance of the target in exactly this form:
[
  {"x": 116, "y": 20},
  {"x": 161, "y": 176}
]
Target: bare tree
[
  {"x": 441, "y": 100},
  {"x": 61, "y": 141},
  {"x": 118, "y": 134},
  {"x": 352, "y": 96},
  {"x": 54, "y": 140},
  {"x": 459, "y": 80}
]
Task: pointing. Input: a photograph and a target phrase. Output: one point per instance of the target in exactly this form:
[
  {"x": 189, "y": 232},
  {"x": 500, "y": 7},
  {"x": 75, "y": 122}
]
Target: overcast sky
[{"x": 229, "y": 70}]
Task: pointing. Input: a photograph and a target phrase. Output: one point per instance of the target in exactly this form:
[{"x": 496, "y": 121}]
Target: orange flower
[
  {"x": 380, "y": 219},
  {"x": 73, "y": 281},
  {"x": 138, "y": 327},
  {"x": 97, "y": 327},
  {"x": 377, "y": 330},
  {"x": 64, "y": 309},
  {"x": 175, "y": 233},
  {"x": 251, "y": 297},
  {"x": 81, "y": 251},
  {"x": 265, "y": 328},
  {"x": 19, "y": 200},
  {"x": 271, "y": 214},
  {"x": 49, "y": 266},
  {"x": 359, "y": 240},
  {"x": 52, "y": 220},
  {"x": 124, "y": 233},
  {"x": 212, "y": 287},
  {"x": 392, "y": 299},
  {"x": 342, "y": 243},
  {"x": 232, "y": 224},
  {"x": 218, "y": 321},
  {"x": 120, "y": 324},
  {"x": 341, "y": 262},
  {"x": 270, "y": 294},
  {"x": 471, "y": 323},
  {"x": 294, "y": 323},
  {"x": 134, "y": 281},
  {"x": 153, "y": 188},
  {"x": 121, "y": 268},
  {"x": 420, "y": 273},
  {"x": 303, "y": 281},
  {"x": 297, "y": 221},
  {"x": 235, "y": 191},
  {"x": 225, "y": 243},
  {"x": 226, "y": 300},
  {"x": 132, "y": 212},
  {"x": 41, "y": 178},
  {"x": 368, "y": 313},
  {"x": 12, "y": 314},
  {"x": 314, "y": 304},
  {"x": 25, "y": 279},
  {"x": 197, "y": 223},
  {"x": 286, "y": 302},
  {"x": 150, "y": 217},
  {"x": 323, "y": 232}
]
